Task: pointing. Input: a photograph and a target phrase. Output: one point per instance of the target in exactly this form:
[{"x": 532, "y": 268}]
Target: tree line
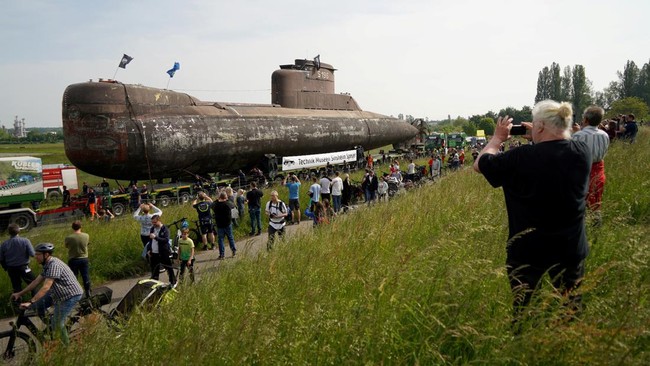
[
  {"x": 629, "y": 94},
  {"x": 34, "y": 136}
]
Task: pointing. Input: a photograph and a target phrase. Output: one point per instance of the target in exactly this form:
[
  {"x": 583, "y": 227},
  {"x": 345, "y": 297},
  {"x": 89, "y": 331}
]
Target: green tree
[
  {"x": 581, "y": 90},
  {"x": 475, "y": 119},
  {"x": 492, "y": 115},
  {"x": 35, "y": 136},
  {"x": 555, "y": 83},
  {"x": 470, "y": 129},
  {"x": 605, "y": 98},
  {"x": 566, "y": 85},
  {"x": 628, "y": 80},
  {"x": 459, "y": 122},
  {"x": 487, "y": 124},
  {"x": 5, "y": 135},
  {"x": 643, "y": 84},
  {"x": 629, "y": 105},
  {"x": 518, "y": 115},
  {"x": 543, "y": 85}
]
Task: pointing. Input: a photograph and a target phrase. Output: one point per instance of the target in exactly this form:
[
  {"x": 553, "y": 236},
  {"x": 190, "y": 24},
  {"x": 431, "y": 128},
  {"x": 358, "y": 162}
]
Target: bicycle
[{"x": 19, "y": 348}]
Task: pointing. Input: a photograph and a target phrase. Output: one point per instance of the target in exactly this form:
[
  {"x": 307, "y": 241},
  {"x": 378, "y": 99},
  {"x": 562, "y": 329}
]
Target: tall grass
[
  {"x": 115, "y": 247},
  {"x": 420, "y": 280}
]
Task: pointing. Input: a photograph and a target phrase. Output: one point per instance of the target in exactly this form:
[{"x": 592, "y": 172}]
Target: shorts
[
  {"x": 207, "y": 228},
  {"x": 294, "y": 204},
  {"x": 93, "y": 209}
]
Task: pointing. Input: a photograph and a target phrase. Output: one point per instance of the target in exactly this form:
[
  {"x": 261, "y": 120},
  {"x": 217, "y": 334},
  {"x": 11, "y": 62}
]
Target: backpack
[{"x": 280, "y": 207}]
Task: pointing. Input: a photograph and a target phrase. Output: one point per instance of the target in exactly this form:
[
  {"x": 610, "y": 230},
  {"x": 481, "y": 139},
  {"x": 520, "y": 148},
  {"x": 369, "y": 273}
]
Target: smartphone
[{"x": 518, "y": 130}]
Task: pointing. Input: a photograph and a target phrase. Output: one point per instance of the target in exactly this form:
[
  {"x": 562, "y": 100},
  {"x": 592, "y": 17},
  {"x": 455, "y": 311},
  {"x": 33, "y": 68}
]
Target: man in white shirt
[
  {"x": 276, "y": 210},
  {"x": 337, "y": 191},
  {"x": 598, "y": 142},
  {"x": 410, "y": 172},
  {"x": 325, "y": 183},
  {"x": 314, "y": 192}
]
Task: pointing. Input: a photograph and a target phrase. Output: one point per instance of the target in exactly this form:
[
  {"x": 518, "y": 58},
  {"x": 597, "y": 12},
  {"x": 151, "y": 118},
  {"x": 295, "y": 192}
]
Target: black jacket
[{"x": 163, "y": 240}]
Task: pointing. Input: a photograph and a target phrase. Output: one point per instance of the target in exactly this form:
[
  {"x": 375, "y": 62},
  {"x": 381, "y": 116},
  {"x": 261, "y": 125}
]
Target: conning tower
[{"x": 308, "y": 84}]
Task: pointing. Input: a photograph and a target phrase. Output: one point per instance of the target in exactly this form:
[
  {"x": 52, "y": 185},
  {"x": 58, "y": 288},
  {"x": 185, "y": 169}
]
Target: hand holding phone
[{"x": 518, "y": 130}]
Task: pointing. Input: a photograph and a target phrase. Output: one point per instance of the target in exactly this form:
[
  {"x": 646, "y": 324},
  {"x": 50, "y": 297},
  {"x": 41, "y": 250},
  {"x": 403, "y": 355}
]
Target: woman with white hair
[{"x": 545, "y": 185}]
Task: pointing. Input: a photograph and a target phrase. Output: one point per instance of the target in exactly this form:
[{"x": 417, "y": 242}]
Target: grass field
[{"x": 420, "y": 280}]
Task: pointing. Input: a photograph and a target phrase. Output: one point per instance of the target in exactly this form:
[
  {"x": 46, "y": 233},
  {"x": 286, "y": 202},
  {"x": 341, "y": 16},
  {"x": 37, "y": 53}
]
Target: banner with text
[{"x": 317, "y": 160}]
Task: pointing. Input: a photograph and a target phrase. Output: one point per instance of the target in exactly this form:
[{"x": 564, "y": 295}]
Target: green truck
[
  {"x": 456, "y": 140},
  {"x": 435, "y": 141}
]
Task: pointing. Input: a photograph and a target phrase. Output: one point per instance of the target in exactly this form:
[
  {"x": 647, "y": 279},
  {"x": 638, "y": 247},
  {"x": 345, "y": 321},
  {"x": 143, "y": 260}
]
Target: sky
[{"x": 425, "y": 58}]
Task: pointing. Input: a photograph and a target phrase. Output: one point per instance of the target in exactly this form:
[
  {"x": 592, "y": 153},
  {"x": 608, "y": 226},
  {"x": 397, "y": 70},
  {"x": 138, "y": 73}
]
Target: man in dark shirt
[
  {"x": 202, "y": 204},
  {"x": 66, "y": 197},
  {"x": 134, "y": 198},
  {"x": 92, "y": 203},
  {"x": 371, "y": 185},
  {"x": 105, "y": 187},
  {"x": 15, "y": 253},
  {"x": 545, "y": 186},
  {"x": 630, "y": 129},
  {"x": 223, "y": 220},
  {"x": 160, "y": 250},
  {"x": 254, "y": 198}
]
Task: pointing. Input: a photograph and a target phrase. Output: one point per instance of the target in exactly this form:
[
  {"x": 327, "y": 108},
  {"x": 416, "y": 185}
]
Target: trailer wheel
[
  {"x": 163, "y": 199},
  {"x": 53, "y": 195},
  {"x": 185, "y": 197},
  {"x": 119, "y": 209},
  {"x": 23, "y": 220}
]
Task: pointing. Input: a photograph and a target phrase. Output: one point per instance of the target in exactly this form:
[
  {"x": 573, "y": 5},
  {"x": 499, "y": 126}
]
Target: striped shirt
[
  {"x": 596, "y": 139},
  {"x": 65, "y": 283}
]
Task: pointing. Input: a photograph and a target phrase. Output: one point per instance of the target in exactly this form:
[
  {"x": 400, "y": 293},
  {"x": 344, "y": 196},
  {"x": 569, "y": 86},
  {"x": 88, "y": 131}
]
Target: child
[
  {"x": 105, "y": 214},
  {"x": 186, "y": 253}
]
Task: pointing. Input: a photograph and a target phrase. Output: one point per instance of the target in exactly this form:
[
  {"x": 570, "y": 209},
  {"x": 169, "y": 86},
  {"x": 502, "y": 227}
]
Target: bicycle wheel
[
  {"x": 18, "y": 348},
  {"x": 195, "y": 235}
]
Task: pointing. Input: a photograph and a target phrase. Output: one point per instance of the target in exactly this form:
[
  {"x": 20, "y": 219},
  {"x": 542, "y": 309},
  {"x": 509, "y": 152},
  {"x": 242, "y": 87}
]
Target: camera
[{"x": 518, "y": 130}]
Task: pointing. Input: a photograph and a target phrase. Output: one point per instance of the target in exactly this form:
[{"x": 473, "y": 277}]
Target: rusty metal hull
[{"x": 125, "y": 131}]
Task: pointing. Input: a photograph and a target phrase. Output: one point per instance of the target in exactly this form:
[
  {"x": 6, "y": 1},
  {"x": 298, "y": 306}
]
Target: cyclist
[{"x": 60, "y": 288}]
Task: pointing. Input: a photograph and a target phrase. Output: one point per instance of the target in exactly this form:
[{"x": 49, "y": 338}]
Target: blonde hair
[
  {"x": 554, "y": 114},
  {"x": 229, "y": 191}
]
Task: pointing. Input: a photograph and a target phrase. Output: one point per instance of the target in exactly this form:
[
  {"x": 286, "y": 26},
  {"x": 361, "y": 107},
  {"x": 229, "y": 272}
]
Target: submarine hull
[{"x": 123, "y": 131}]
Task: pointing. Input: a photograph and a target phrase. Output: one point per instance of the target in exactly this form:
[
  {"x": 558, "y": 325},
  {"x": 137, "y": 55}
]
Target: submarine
[{"x": 127, "y": 131}]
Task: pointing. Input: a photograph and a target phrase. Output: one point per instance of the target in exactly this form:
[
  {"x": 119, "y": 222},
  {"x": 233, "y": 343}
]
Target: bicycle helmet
[{"x": 44, "y": 248}]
